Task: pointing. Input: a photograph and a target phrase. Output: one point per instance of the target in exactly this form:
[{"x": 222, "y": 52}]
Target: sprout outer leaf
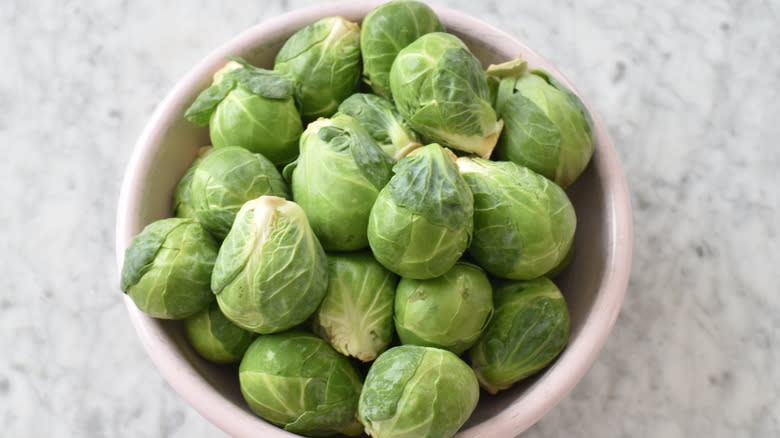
[
  {"x": 297, "y": 381},
  {"x": 428, "y": 183},
  {"x": 371, "y": 161},
  {"x": 140, "y": 254},
  {"x": 530, "y": 328},
  {"x": 264, "y": 83},
  {"x": 207, "y": 101},
  {"x": 383, "y": 123}
]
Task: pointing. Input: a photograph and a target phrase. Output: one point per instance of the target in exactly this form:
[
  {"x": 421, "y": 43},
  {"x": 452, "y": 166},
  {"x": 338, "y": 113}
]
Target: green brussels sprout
[
  {"x": 252, "y": 108},
  {"x": 224, "y": 180},
  {"x": 546, "y": 126},
  {"x": 216, "y": 338},
  {"x": 422, "y": 220},
  {"x": 324, "y": 58},
  {"x": 271, "y": 272},
  {"x": 386, "y": 30},
  {"x": 439, "y": 87},
  {"x": 530, "y": 327},
  {"x": 336, "y": 180},
  {"x": 383, "y": 123},
  {"x": 356, "y": 316},
  {"x": 182, "y": 195},
  {"x": 523, "y": 223},
  {"x": 297, "y": 381},
  {"x": 447, "y": 312},
  {"x": 167, "y": 268},
  {"x": 412, "y": 391}
]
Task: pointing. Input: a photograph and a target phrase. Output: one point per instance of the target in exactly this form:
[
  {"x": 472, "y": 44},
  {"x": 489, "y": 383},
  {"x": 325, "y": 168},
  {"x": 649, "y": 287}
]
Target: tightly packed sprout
[
  {"x": 297, "y": 381},
  {"x": 546, "y": 126},
  {"x": 271, "y": 272},
  {"x": 167, "y": 268},
  {"x": 523, "y": 222},
  {"x": 440, "y": 87},
  {"x": 252, "y": 108},
  {"x": 422, "y": 220},
  {"x": 448, "y": 312},
  {"x": 336, "y": 180},
  {"x": 335, "y": 224},
  {"x": 533, "y": 312},
  {"x": 413, "y": 391}
]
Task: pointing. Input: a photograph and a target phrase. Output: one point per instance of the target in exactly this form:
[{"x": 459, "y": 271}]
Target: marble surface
[{"x": 690, "y": 93}]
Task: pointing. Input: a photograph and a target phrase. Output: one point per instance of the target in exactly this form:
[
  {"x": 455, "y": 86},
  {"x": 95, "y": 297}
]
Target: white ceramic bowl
[{"x": 594, "y": 284}]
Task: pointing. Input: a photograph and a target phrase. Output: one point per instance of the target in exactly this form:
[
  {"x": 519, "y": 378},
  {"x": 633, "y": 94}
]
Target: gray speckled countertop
[{"x": 690, "y": 92}]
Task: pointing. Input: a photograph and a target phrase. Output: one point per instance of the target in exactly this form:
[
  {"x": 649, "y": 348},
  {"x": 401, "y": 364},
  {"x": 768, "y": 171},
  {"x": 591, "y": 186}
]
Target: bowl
[{"x": 594, "y": 284}]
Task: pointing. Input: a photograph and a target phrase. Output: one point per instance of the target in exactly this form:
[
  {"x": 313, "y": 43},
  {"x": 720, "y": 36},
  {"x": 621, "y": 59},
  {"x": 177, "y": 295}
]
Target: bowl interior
[{"x": 170, "y": 143}]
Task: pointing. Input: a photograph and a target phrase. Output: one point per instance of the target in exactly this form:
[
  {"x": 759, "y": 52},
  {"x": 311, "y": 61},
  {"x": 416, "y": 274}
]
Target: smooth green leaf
[
  {"x": 297, "y": 381},
  {"x": 413, "y": 391},
  {"x": 264, "y": 83},
  {"x": 429, "y": 184},
  {"x": 529, "y": 329},
  {"x": 529, "y": 126},
  {"x": 206, "y": 103},
  {"x": 167, "y": 268}
]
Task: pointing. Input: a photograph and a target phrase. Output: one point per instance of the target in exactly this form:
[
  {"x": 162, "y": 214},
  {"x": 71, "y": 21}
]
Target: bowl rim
[{"x": 519, "y": 415}]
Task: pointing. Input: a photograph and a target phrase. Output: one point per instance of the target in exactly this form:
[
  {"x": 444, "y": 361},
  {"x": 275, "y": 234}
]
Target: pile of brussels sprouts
[{"x": 382, "y": 233}]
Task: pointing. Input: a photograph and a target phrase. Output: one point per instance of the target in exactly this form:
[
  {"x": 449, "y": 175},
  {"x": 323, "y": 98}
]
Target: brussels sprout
[
  {"x": 412, "y": 391},
  {"x": 388, "y": 29},
  {"x": 216, "y": 338},
  {"x": 227, "y": 178},
  {"x": 441, "y": 90},
  {"x": 182, "y": 195},
  {"x": 356, "y": 316},
  {"x": 422, "y": 219},
  {"x": 324, "y": 58},
  {"x": 167, "y": 268},
  {"x": 547, "y": 128},
  {"x": 382, "y": 122},
  {"x": 250, "y": 107},
  {"x": 448, "y": 312},
  {"x": 336, "y": 180},
  {"x": 297, "y": 381},
  {"x": 271, "y": 272},
  {"x": 523, "y": 223},
  {"x": 530, "y": 327}
]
